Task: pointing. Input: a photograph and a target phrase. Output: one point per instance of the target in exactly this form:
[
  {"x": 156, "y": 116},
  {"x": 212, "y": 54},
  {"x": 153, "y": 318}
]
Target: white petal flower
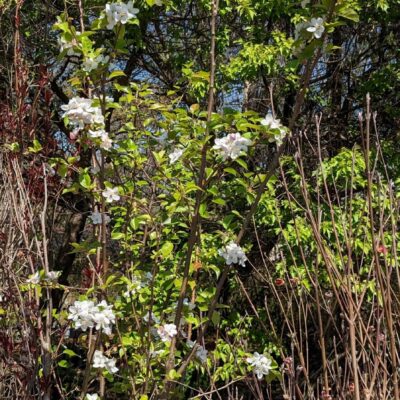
[
  {"x": 81, "y": 312},
  {"x": 96, "y": 218},
  {"x": 93, "y": 396},
  {"x": 101, "y": 361},
  {"x": 133, "y": 287},
  {"x": 232, "y": 145},
  {"x": 167, "y": 332},
  {"x": 97, "y": 133},
  {"x": 316, "y": 27},
  {"x": 270, "y": 122},
  {"x": 119, "y": 13},
  {"x": 86, "y": 314},
  {"x": 80, "y": 112},
  {"x": 175, "y": 155},
  {"x": 35, "y": 278},
  {"x": 106, "y": 142},
  {"x": 53, "y": 276},
  {"x": 111, "y": 194},
  {"x": 104, "y": 317},
  {"x": 261, "y": 364},
  {"x": 91, "y": 63},
  {"x": 233, "y": 254},
  {"x": 69, "y": 46}
]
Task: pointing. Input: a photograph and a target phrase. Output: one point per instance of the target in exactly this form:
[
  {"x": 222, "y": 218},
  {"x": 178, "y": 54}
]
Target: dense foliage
[{"x": 200, "y": 199}]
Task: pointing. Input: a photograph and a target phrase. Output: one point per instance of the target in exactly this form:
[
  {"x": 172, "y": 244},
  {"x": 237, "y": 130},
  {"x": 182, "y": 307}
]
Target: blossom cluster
[
  {"x": 81, "y": 112},
  {"x": 119, "y": 13},
  {"x": 106, "y": 142},
  {"x": 233, "y": 254},
  {"x": 261, "y": 364},
  {"x": 232, "y": 145},
  {"x": 167, "y": 332},
  {"x": 85, "y": 314},
  {"x": 275, "y": 124},
  {"x": 101, "y": 361}
]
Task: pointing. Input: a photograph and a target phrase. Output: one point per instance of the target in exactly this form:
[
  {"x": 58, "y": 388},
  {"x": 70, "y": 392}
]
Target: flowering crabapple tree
[{"x": 172, "y": 191}]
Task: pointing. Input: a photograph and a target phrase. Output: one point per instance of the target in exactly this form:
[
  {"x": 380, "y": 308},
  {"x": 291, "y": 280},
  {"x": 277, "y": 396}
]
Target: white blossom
[
  {"x": 52, "y": 276},
  {"x": 85, "y": 314},
  {"x": 111, "y": 194},
  {"x": 92, "y": 63},
  {"x": 134, "y": 286},
  {"x": 261, "y": 364},
  {"x": 316, "y": 27},
  {"x": 175, "y": 155},
  {"x": 272, "y": 123},
  {"x": 167, "y": 332},
  {"x": 104, "y": 317},
  {"x": 34, "y": 279},
  {"x": 232, "y": 145},
  {"x": 233, "y": 254},
  {"x": 98, "y": 133},
  {"x": 106, "y": 142},
  {"x": 80, "y": 112},
  {"x": 93, "y": 396},
  {"x": 119, "y": 13},
  {"x": 96, "y": 218},
  {"x": 68, "y": 45},
  {"x": 81, "y": 313},
  {"x": 101, "y": 361}
]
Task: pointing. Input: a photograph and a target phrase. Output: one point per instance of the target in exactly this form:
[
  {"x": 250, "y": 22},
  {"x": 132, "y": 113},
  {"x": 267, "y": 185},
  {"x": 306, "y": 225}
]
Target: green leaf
[
  {"x": 84, "y": 180},
  {"x": 64, "y": 364},
  {"x": 115, "y": 74},
  {"x": 242, "y": 163},
  {"x": 36, "y": 147},
  {"x": 117, "y": 235},
  {"x": 231, "y": 171},
  {"x": 203, "y": 210},
  {"x": 216, "y": 317},
  {"x": 166, "y": 249},
  {"x": 70, "y": 353}
]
